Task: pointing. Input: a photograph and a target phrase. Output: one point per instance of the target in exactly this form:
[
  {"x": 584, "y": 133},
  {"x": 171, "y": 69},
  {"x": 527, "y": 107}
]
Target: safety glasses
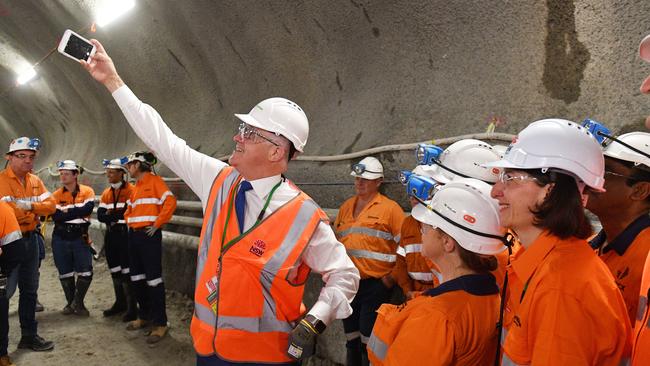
[
  {"x": 247, "y": 133},
  {"x": 505, "y": 178},
  {"x": 607, "y": 172}
]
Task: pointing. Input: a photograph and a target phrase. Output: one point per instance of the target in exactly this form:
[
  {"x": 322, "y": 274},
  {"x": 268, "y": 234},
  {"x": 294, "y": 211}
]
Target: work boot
[
  {"x": 39, "y": 307},
  {"x": 120, "y": 301},
  {"x": 157, "y": 333},
  {"x": 131, "y": 301},
  {"x": 69, "y": 290},
  {"x": 83, "y": 283},
  {"x": 137, "y": 324},
  {"x": 35, "y": 343},
  {"x": 6, "y": 361}
]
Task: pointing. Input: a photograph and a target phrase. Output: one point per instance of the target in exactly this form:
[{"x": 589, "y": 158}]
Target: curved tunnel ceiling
[{"x": 368, "y": 73}]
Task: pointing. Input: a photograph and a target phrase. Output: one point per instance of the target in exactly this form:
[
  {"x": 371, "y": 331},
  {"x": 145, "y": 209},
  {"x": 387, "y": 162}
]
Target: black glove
[{"x": 302, "y": 341}]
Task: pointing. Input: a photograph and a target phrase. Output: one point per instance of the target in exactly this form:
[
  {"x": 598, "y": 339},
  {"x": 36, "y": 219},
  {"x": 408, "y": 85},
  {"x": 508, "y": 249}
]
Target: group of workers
[
  {"x": 498, "y": 261},
  {"x": 133, "y": 215}
]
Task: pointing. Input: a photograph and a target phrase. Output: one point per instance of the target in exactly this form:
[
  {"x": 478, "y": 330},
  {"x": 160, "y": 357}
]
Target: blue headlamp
[
  {"x": 34, "y": 143},
  {"x": 427, "y": 154},
  {"x": 599, "y": 130},
  {"x": 418, "y": 186}
]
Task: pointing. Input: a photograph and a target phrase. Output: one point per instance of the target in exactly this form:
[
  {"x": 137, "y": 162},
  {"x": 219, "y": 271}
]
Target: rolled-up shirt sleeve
[
  {"x": 326, "y": 256},
  {"x": 194, "y": 168}
]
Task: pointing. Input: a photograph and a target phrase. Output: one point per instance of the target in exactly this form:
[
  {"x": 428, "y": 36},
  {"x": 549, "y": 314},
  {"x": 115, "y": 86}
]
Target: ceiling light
[
  {"x": 26, "y": 76},
  {"x": 113, "y": 9}
]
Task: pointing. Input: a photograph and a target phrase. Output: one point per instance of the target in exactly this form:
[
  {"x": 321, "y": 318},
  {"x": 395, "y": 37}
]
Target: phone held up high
[{"x": 75, "y": 46}]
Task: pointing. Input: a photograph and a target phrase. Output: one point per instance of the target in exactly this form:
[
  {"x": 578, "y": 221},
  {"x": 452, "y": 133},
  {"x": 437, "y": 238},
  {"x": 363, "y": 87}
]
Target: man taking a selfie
[{"x": 261, "y": 235}]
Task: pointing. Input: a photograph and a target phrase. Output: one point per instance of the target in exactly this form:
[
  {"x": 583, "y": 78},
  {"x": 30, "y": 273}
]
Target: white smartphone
[{"x": 75, "y": 46}]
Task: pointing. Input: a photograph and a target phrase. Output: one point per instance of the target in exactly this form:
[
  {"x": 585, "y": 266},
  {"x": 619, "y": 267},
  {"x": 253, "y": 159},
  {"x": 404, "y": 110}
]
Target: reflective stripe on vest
[
  {"x": 378, "y": 347},
  {"x": 412, "y": 248},
  {"x": 11, "y": 237},
  {"x": 268, "y": 321},
  {"x": 359, "y": 253},
  {"x": 110, "y": 205},
  {"x": 421, "y": 276},
  {"x": 400, "y": 251},
  {"x": 141, "y": 219},
  {"x": 76, "y": 221},
  {"x": 366, "y": 231},
  {"x": 208, "y": 223}
]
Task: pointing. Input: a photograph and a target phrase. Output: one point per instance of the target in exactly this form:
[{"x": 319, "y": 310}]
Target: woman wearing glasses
[
  {"x": 453, "y": 323},
  {"x": 563, "y": 307}
]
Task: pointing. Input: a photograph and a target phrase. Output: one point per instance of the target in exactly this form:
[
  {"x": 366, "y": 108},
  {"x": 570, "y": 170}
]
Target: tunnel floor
[{"x": 98, "y": 340}]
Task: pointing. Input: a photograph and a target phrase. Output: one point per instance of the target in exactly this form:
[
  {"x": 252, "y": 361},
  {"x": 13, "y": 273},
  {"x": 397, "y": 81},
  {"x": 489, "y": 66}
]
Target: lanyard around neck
[{"x": 232, "y": 242}]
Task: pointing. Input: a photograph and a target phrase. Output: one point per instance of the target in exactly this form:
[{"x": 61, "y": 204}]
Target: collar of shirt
[
  {"x": 525, "y": 262},
  {"x": 378, "y": 198},
  {"x": 263, "y": 186},
  {"x": 475, "y": 284},
  {"x": 624, "y": 239},
  {"x": 76, "y": 188}
]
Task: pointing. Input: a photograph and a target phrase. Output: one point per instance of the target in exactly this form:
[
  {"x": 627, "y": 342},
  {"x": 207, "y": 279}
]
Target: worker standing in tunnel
[
  {"x": 261, "y": 235},
  {"x": 111, "y": 210},
  {"x": 11, "y": 253},
  {"x": 624, "y": 241},
  {"x": 150, "y": 206},
  {"x": 70, "y": 242},
  {"x": 29, "y": 199},
  {"x": 368, "y": 224}
]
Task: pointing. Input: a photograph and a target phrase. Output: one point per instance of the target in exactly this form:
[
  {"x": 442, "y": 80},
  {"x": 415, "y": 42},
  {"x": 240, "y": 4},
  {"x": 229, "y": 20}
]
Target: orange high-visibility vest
[
  {"x": 371, "y": 238},
  {"x": 110, "y": 202},
  {"x": 65, "y": 201},
  {"x": 9, "y": 228},
  {"x": 641, "y": 352},
  {"x": 249, "y": 287},
  {"x": 151, "y": 203},
  {"x": 412, "y": 271},
  {"x": 33, "y": 190},
  {"x": 452, "y": 324}
]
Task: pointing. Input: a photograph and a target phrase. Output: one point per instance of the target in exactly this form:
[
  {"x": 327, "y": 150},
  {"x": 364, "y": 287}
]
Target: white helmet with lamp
[{"x": 464, "y": 210}]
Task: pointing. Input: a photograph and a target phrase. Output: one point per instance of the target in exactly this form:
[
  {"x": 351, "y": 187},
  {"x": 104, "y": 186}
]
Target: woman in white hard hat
[
  {"x": 453, "y": 323},
  {"x": 563, "y": 306}
]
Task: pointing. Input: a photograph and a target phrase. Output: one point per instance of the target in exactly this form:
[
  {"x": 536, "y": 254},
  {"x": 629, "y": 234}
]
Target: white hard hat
[
  {"x": 464, "y": 210},
  {"x": 424, "y": 170},
  {"x": 117, "y": 163},
  {"x": 24, "y": 143},
  {"x": 560, "y": 145},
  {"x": 67, "y": 165},
  {"x": 368, "y": 168},
  {"x": 465, "y": 159},
  {"x": 638, "y": 140},
  {"x": 500, "y": 149},
  {"x": 644, "y": 49},
  {"x": 143, "y": 157},
  {"x": 282, "y": 117}
]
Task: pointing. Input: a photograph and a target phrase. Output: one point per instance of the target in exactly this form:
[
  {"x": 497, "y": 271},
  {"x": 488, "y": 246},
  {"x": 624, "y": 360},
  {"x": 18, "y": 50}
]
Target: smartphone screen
[{"x": 78, "y": 48}]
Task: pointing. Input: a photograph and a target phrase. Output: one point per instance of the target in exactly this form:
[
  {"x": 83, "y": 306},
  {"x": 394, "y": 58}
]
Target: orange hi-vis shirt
[
  {"x": 625, "y": 257},
  {"x": 151, "y": 203},
  {"x": 452, "y": 324},
  {"x": 503, "y": 260},
  {"x": 249, "y": 286},
  {"x": 371, "y": 238},
  {"x": 9, "y": 228},
  {"x": 563, "y": 307},
  {"x": 412, "y": 271},
  {"x": 115, "y": 199},
  {"x": 78, "y": 208},
  {"x": 33, "y": 190},
  {"x": 641, "y": 338}
]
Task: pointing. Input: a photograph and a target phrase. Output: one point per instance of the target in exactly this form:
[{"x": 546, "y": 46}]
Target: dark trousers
[
  {"x": 117, "y": 250},
  {"x": 25, "y": 278},
  {"x": 145, "y": 255},
  {"x": 358, "y": 326},
  {"x": 72, "y": 256},
  {"x": 216, "y": 361}
]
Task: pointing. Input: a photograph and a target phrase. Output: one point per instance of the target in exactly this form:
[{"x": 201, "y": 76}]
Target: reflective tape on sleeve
[
  {"x": 359, "y": 253},
  {"x": 413, "y": 248},
  {"x": 11, "y": 237},
  {"x": 366, "y": 231},
  {"x": 378, "y": 347}
]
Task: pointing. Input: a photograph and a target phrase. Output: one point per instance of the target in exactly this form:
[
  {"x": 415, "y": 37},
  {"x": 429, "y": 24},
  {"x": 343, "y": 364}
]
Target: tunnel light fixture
[
  {"x": 113, "y": 9},
  {"x": 26, "y": 75}
]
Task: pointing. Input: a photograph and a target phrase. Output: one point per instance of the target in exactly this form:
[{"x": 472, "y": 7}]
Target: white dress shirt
[{"x": 324, "y": 254}]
